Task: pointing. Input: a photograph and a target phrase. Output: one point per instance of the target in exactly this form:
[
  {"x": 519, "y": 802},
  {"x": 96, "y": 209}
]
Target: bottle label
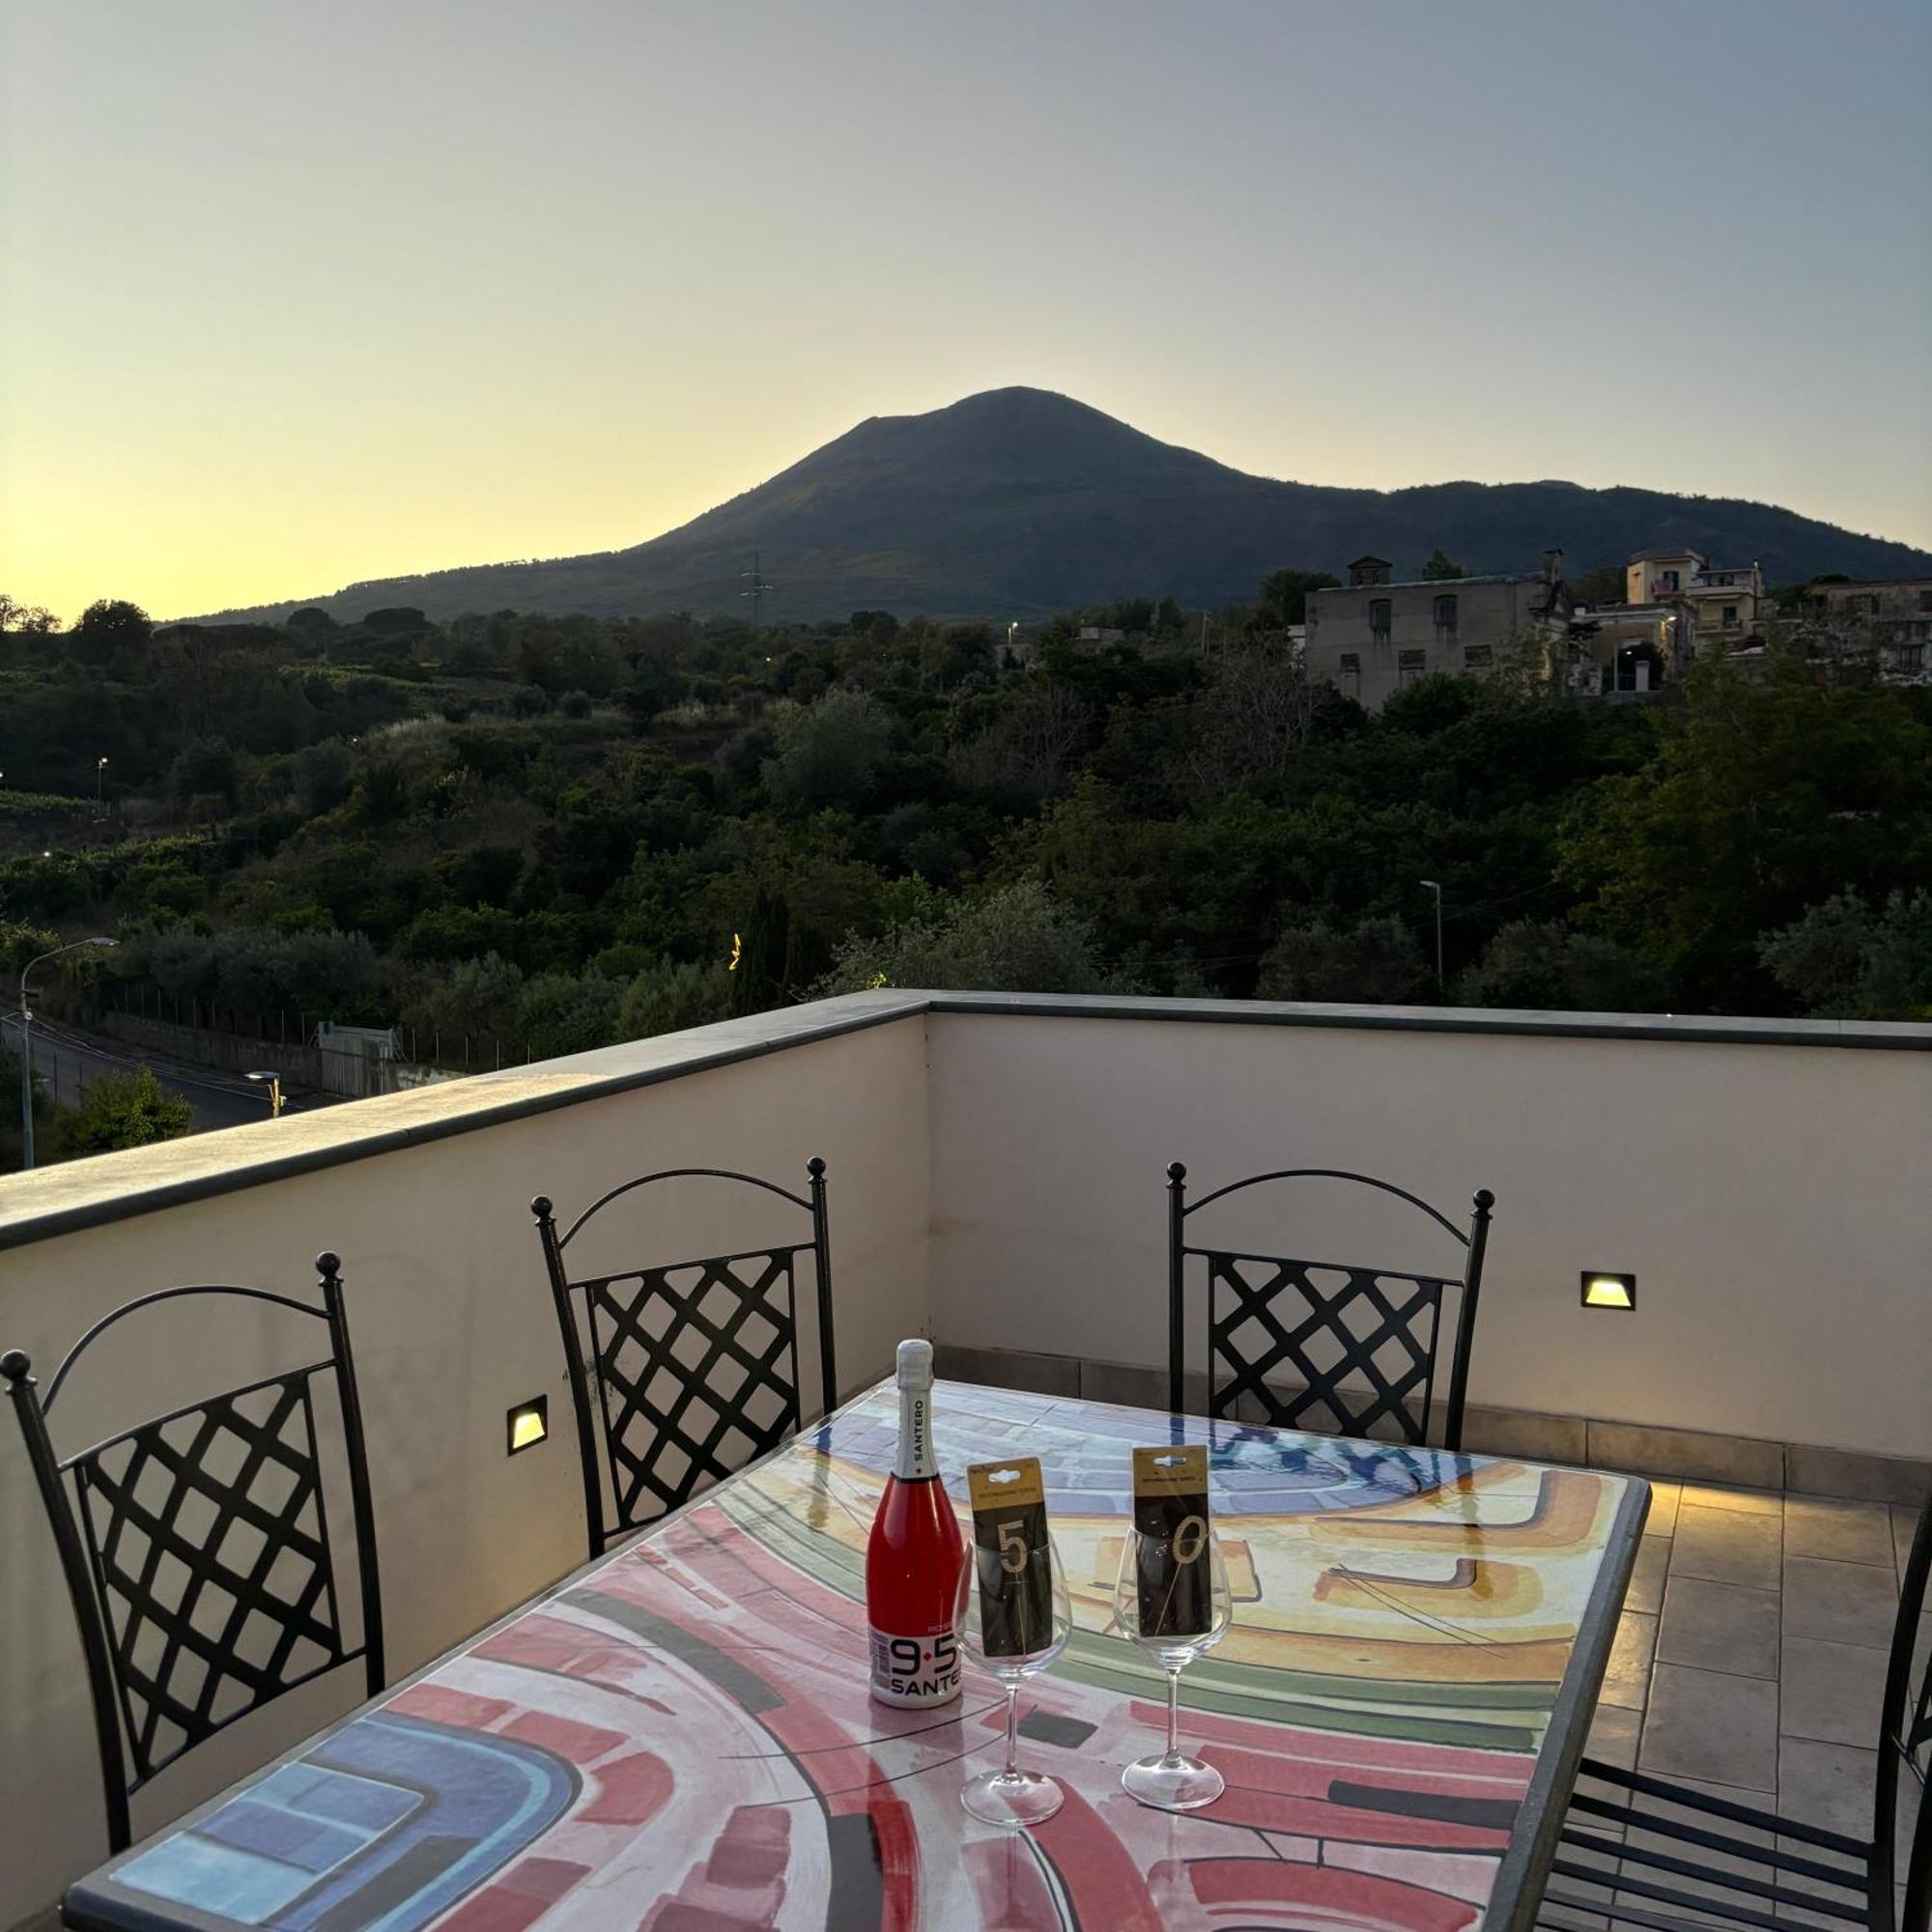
[
  {"x": 915, "y": 1671},
  {"x": 916, "y": 1462}
]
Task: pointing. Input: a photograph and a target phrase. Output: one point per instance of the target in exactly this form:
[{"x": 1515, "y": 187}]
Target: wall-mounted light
[
  {"x": 529, "y": 1424},
  {"x": 1608, "y": 1290}
]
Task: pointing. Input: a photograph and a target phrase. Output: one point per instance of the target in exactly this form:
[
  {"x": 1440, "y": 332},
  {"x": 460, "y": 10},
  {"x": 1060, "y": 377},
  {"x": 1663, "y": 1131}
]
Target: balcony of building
[{"x": 997, "y": 1172}]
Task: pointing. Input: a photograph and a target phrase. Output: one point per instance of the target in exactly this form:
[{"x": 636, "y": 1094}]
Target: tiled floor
[{"x": 1751, "y": 1654}]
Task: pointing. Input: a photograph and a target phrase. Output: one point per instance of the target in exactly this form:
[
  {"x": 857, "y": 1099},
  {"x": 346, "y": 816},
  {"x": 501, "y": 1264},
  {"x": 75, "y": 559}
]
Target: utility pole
[
  {"x": 758, "y": 584},
  {"x": 100, "y": 783},
  {"x": 1437, "y": 891},
  {"x": 26, "y": 1041}
]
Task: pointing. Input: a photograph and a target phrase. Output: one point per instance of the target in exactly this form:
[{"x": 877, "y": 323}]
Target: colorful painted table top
[{"x": 678, "y": 1739}]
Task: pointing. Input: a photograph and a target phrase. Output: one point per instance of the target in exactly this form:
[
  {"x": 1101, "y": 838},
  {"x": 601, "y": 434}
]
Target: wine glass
[
  {"x": 1183, "y": 1609},
  {"x": 1011, "y": 1796}
]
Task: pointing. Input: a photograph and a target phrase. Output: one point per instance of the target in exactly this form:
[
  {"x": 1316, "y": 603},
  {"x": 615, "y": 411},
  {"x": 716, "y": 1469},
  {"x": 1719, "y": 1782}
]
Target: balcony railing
[{"x": 996, "y": 1166}]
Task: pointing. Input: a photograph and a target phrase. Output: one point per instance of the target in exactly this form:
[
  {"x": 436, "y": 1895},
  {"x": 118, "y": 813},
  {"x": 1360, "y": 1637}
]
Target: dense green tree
[
  {"x": 1440, "y": 568},
  {"x": 1283, "y": 598},
  {"x": 1375, "y": 961},
  {"x": 1546, "y": 964},
  {"x": 1847, "y": 959},
  {"x": 125, "y": 1110}
]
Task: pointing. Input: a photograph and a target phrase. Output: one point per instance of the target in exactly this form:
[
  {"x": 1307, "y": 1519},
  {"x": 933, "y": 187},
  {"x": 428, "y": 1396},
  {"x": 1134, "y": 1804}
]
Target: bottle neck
[{"x": 916, "y": 1462}]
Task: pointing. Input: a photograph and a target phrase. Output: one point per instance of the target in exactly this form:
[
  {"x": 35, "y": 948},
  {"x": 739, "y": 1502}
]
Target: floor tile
[
  {"x": 1831, "y": 1693},
  {"x": 1719, "y": 1627},
  {"x": 1725, "y": 1546},
  {"x": 1646, "y": 1583},
  {"x": 1663, "y": 1518},
  {"x": 1826, "y": 1784},
  {"x": 1747, "y": 1836},
  {"x": 1627, "y": 1678},
  {"x": 1710, "y": 1496},
  {"x": 1707, "y": 1723},
  {"x": 1904, "y": 1525},
  {"x": 1846, "y": 1603},
  {"x": 1848, "y": 1532},
  {"x": 1613, "y": 1735}
]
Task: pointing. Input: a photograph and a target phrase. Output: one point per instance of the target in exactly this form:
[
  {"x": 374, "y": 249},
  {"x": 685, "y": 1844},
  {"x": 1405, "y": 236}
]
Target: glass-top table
[{"x": 678, "y": 1737}]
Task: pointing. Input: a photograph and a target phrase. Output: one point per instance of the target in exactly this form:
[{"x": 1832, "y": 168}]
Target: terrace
[{"x": 996, "y": 1166}]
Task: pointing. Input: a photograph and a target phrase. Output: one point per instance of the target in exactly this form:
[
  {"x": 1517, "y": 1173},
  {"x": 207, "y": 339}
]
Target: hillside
[{"x": 1018, "y": 503}]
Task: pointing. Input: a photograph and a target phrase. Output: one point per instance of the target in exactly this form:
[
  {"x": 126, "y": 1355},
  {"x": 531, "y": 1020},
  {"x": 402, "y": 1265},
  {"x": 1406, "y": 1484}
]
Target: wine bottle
[{"x": 911, "y": 1562}]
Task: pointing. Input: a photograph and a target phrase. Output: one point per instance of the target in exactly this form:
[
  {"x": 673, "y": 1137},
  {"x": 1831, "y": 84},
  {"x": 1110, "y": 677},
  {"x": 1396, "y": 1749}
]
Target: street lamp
[
  {"x": 1433, "y": 887},
  {"x": 26, "y": 1042},
  {"x": 100, "y": 781},
  {"x": 274, "y": 1085}
]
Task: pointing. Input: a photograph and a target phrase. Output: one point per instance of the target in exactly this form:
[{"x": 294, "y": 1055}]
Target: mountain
[{"x": 1018, "y": 503}]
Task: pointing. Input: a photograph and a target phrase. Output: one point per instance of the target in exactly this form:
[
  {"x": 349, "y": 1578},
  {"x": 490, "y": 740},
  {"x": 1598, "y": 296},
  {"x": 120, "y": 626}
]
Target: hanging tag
[
  {"x": 1171, "y": 1514},
  {"x": 1012, "y": 1558}
]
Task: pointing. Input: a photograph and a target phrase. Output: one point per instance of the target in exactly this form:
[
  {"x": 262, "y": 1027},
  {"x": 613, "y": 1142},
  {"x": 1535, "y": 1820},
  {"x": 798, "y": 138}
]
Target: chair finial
[
  {"x": 1485, "y": 1200},
  {"x": 540, "y": 1207},
  {"x": 16, "y": 1366},
  {"x": 816, "y": 1167},
  {"x": 1177, "y": 1171},
  {"x": 327, "y": 1264}
]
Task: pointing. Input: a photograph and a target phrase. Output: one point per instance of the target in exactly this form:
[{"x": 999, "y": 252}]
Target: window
[
  {"x": 1410, "y": 665},
  {"x": 1378, "y": 618},
  {"x": 1445, "y": 617},
  {"x": 1925, "y": 600},
  {"x": 1730, "y": 616},
  {"x": 1909, "y": 658},
  {"x": 1668, "y": 581},
  {"x": 1351, "y": 663},
  {"x": 1476, "y": 656}
]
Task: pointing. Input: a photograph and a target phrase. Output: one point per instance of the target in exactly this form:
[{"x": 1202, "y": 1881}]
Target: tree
[
  {"x": 829, "y": 752},
  {"x": 1016, "y": 940},
  {"x": 125, "y": 1110},
  {"x": 207, "y": 770},
  {"x": 1440, "y": 568},
  {"x": 1548, "y": 965},
  {"x": 1845, "y": 959},
  {"x": 1376, "y": 961},
  {"x": 563, "y": 1012},
  {"x": 669, "y": 996},
  {"x": 1283, "y": 598},
  {"x": 1755, "y": 802},
  {"x": 109, "y": 626}
]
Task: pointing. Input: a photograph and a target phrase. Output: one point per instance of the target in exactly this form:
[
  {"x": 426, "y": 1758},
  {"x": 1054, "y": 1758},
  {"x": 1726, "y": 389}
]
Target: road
[{"x": 64, "y": 1057}]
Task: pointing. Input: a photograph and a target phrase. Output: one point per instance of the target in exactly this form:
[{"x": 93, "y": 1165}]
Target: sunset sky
[{"x": 296, "y": 294}]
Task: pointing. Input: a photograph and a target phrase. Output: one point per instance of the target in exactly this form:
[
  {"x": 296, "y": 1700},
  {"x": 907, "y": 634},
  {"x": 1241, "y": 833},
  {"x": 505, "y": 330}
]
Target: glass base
[
  {"x": 1011, "y": 1798},
  {"x": 1172, "y": 1783}
]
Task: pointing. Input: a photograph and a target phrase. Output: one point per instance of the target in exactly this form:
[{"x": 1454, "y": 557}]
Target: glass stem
[
  {"x": 1173, "y": 1711},
  {"x": 1014, "y": 1729}
]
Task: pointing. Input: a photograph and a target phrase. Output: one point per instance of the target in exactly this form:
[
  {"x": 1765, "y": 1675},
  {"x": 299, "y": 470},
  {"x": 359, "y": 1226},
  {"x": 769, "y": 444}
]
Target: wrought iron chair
[
  {"x": 196, "y": 1548},
  {"x": 1651, "y": 1836},
  {"x": 1380, "y": 1327},
  {"x": 693, "y": 1366}
]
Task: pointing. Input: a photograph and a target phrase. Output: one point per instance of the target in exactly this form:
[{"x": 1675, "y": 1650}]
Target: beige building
[
  {"x": 1628, "y": 649},
  {"x": 1727, "y": 606},
  {"x": 1887, "y": 620},
  {"x": 1371, "y": 637}
]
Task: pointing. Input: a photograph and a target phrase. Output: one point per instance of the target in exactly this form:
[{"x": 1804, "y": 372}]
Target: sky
[{"x": 298, "y": 293}]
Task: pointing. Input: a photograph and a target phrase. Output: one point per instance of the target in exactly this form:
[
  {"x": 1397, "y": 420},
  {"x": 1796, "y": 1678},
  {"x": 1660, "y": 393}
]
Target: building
[
  {"x": 1371, "y": 637},
  {"x": 1628, "y": 649},
  {"x": 1726, "y": 604},
  {"x": 1887, "y": 622}
]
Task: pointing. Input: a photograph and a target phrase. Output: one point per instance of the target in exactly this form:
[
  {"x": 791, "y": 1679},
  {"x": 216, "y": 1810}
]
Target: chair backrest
[
  {"x": 196, "y": 1548},
  {"x": 690, "y": 1367},
  {"x": 1905, "y": 1743},
  {"x": 1330, "y": 1345}
]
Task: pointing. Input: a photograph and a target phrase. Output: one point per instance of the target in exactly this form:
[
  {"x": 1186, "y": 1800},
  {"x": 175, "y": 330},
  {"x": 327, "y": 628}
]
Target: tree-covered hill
[{"x": 1017, "y": 503}]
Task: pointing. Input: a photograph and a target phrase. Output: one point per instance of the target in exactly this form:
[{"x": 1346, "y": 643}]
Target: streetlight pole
[
  {"x": 100, "y": 783},
  {"x": 1435, "y": 888},
  {"x": 26, "y": 1042},
  {"x": 274, "y": 1083}
]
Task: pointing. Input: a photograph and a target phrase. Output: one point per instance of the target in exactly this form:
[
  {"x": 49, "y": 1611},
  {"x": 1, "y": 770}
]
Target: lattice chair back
[
  {"x": 196, "y": 1548},
  {"x": 682, "y": 1373},
  {"x": 1905, "y": 1741},
  {"x": 1338, "y": 1347}
]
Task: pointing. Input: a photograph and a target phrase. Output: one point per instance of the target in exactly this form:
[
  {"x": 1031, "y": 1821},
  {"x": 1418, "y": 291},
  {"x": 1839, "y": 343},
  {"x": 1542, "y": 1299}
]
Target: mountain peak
[{"x": 1019, "y": 501}]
